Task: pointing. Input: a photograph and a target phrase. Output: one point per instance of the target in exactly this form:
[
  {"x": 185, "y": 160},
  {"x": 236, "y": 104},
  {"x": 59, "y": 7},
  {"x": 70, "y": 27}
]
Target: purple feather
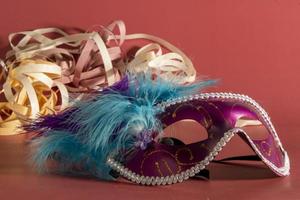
[{"x": 58, "y": 121}]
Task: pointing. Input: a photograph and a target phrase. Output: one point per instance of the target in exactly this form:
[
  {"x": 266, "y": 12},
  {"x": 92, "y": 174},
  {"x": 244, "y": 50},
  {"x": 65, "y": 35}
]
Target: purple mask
[
  {"x": 120, "y": 132},
  {"x": 223, "y": 115}
]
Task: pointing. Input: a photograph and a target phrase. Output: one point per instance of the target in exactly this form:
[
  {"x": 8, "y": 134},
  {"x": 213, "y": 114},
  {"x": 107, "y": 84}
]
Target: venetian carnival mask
[{"x": 120, "y": 132}]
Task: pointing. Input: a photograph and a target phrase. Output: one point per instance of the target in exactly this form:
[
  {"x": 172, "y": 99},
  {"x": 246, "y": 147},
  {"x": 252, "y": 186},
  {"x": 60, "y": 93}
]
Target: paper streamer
[
  {"x": 45, "y": 65},
  {"x": 30, "y": 88}
]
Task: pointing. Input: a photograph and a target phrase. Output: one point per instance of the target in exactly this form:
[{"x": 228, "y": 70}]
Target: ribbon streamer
[
  {"x": 45, "y": 65},
  {"x": 31, "y": 89}
]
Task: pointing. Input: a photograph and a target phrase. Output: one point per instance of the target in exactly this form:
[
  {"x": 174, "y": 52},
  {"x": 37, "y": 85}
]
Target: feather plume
[{"x": 105, "y": 125}]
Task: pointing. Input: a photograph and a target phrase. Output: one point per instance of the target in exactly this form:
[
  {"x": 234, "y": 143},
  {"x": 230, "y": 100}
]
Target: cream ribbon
[
  {"x": 47, "y": 64},
  {"x": 31, "y": 89}
]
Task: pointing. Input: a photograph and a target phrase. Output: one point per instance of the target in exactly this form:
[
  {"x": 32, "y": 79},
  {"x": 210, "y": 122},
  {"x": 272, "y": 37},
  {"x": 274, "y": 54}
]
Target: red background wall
[{"x": 253, "y": 46}]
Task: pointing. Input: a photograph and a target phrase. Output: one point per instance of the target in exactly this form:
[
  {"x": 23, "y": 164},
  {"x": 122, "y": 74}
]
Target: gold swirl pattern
[{"x": 156, "y": 165}]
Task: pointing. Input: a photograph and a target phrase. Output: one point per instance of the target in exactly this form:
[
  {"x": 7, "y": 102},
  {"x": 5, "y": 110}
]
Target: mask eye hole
[
  {"x": 187, "y": 131},
  {"x": 254, "y": 128}
]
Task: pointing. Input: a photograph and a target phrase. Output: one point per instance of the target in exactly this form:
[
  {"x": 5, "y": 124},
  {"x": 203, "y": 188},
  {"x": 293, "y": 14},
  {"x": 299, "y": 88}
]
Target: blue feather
[
  {"x": 107, "y": 124},
  {"x": 69, "y": 153}
]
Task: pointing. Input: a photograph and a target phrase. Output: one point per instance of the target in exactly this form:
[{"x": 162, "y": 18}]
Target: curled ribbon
[
  {"x": 30, "y": 89},
  {"x": 47, "y": 64}
]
